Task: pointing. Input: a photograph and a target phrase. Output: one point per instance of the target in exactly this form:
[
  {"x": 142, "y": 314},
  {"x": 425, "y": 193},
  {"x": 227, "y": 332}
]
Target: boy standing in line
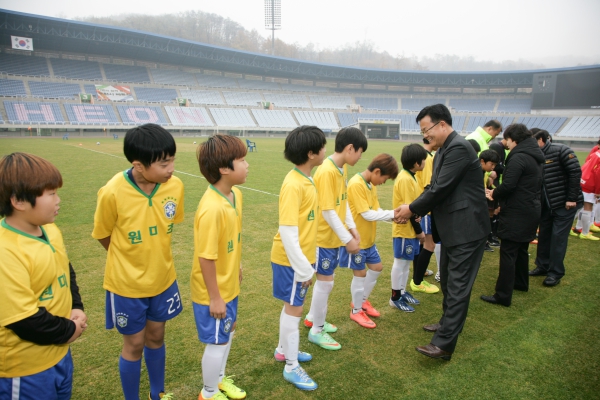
[
  {"x": 134, "y": 220},
  {"x": 217, "y": 270},
  {"x": 406, "y": 237},
  {"x": 364, "y": 205},
  {"x": 335, "y": 229},
  {"x": 294, "y": 247},
  {"x": 41, "y": 310}
]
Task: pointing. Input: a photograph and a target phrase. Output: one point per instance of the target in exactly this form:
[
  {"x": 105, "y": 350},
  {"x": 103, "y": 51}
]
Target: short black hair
[
  {"x": 534, "y": 131},
  {"x": 412, "y": 154},
  {"x": 437, "y": 113},
  {"x": 494, "y": 123},
  {"x": 350, "y": 135},
  {"x": 148, "y": 143},
  {"x": 541, "y": 134},
  {"x": 517, "y": 133},
  {"x": 489, "y": 155},
  {"x": 475, "y": 145},
  {"x": 302, "y": 141}
]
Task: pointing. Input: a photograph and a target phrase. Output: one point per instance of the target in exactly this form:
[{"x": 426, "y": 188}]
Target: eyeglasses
[{"x": 430, "y": 128}]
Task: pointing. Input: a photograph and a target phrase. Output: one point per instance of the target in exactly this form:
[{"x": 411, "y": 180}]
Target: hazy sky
[{"x": 552, "y": 32}]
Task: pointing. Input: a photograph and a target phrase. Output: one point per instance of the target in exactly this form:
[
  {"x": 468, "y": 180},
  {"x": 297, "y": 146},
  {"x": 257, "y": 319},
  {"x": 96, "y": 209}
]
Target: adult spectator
[
  {"x": 561, "y": 198},
  {"x": 484, "y": 135},
  {"x": 456, "y": 199},
  {"x": 520, "y": 210}
]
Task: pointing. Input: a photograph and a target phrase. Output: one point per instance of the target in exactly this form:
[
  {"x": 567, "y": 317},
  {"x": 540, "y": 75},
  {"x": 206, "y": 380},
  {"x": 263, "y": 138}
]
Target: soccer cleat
[
  {"x": 401, "y": 305},
  {"x": 324, "y": 340},
  {"x": 217, "y": 396},
  {"x": 407, "y": 297},
  {"x": 488, "y": 247},
  {"x": 230, "y": 390},
  {"x": 589, "y": 236},
  {"x": 329, "y": 328},
  {"x": 302, "y": 356},
  {"x": 594, "y": 228},
  {"x": 597, "y": 224},
  {"x": 299, "y": 378},
  {"x": 575, "y": 230},
  {"x": 424, "y": 287},
  {"x": 162, "y": 396},
  {"x": 369, "y": 309},
  {"x": 438, "y": 278},
  {"x": 573, "y": 233},
  {"x": 362, "y": 319}
]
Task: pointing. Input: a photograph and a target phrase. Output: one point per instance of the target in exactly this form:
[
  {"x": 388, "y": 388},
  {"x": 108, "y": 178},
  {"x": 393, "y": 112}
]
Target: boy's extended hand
[
  {"x": 79, "y": 315},
  {"x": 79, "y": 328},
  {"x": 217, "y": 308},
  {"x": 306, "y": 284}
]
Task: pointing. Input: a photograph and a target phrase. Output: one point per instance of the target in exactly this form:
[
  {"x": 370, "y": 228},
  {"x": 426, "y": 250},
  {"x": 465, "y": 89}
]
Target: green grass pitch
[{"x": 545, "y": 346}]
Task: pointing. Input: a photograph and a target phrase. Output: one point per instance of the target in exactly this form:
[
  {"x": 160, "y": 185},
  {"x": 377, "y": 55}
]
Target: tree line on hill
[{"x": 213, "y": 29}]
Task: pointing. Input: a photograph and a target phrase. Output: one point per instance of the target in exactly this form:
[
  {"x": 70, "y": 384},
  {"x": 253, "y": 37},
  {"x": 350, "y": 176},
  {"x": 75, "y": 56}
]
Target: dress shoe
[
  {"x": 434, "y": 352},
  {"x": 551, "y": 281},
  {"x": 538, "y": 272},
  {"x": 493, "y": 300},
  {"x": 432, "y": 327}
]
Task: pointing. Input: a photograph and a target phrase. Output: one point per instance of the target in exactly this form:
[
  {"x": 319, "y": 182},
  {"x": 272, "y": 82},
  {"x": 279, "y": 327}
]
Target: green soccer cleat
[
  {"x": 324, "y": 340},
  {"x": 230, "y": 390},
  {"x": 329, "y": 328},
  {"x": 424, "y": 287},
  {"x": 589, "y": 236}
]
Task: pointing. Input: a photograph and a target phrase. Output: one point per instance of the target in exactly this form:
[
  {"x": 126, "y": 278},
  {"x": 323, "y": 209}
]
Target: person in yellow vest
[
  {"x": 41, "y": 310},
  {"x": 484, "y": 135}
]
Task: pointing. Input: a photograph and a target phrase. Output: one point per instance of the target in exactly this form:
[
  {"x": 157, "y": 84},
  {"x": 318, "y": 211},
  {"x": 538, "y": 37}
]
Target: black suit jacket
[{"x": 456, "y": 195}]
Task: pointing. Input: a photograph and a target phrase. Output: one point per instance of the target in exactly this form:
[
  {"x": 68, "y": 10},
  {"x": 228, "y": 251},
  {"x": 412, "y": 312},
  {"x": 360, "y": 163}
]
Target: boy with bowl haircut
[
  {"x": 134, "y": 221},
  {"x": 217, "y": 271}
]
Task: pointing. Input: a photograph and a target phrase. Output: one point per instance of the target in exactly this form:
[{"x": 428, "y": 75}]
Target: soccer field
[{"x": 545, "y": 346}]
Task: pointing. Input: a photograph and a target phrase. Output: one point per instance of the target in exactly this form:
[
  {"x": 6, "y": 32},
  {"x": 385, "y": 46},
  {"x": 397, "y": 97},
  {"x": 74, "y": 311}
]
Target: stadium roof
[{"x": 61, "y": 35}]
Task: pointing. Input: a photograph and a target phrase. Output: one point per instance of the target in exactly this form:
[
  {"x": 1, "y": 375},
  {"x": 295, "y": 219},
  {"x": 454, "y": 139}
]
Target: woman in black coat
[{"x": 520, "y": 210}]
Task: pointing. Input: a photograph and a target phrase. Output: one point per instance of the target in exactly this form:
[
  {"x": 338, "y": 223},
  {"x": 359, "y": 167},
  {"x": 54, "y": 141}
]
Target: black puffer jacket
[
  {"x": 520, "y": 192},
  {"x": 562, "y": 176}
]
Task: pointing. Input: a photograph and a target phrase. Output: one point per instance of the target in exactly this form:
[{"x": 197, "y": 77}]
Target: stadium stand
[
  {"x": 348, "y": 119},
  {"x": 287, "y": 100},
  {"x": 75, "y": 69},
  {"x": 515, "y": 105},
  {"x": 378, "y": 103},
  {"x": 173, "y": 77},
  {"x": 203, "y": 96},
  {"x": 12, "y": 88},
  {"x": 331, "y": 102},
  {"x": 258, "y": 85},
  {"x": 417, "y": 104},
  {"x": 234, "y": 117},
  {"x": 126, "y": 73},
  {"x": 155, "y": 95},
  {"x": 584, "y": 127},
  {"x": 301, "y": 88},
  {"x": 90, "y": 89},
  {"x": 274, "y": 119},
  {"x": 551, "y": 124},
  {"x": 473, "y": 105},
  {"x": 216, "y": 81},
  {"x": 138, "y": 115},
  {"x": 50, "y": 90},
  {"x": 28, "y": 112},
  {"x": 189, "y": 116},
  {"x": 91, "y": 114},
  {"x": 23, "y": 65},
  {"x": 480, "y": 120},
  {"x": 242, "y": 98},
  {"x": 324, "y": 120}
]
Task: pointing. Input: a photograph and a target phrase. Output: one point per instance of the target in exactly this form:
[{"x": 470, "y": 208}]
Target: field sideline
[{"x": 545, "y": 346}]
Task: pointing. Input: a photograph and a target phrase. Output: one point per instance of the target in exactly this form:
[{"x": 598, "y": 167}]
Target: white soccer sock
[
  {"x": 290, "y": 338},
  {"x": 318, "y": 306},
  {"x": 357, "y": 290},
  {"x": 405, "y": 265},
  {"x": 212, "y": 361},
  {"x": 396, "y": 274},
  {"x": 281, "y": 335},
  {"x": 370, "y": 281},
  {"x": 226, "y": 356},
  {"x": 578, "y": 223},
  {"x": 586, "y": 218},
  {"x": 438, "y": 253},
  {"x": 596, "y": 211}
]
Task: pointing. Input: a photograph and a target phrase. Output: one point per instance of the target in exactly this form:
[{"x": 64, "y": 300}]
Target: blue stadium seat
[
  {"x": 31, "y": 112},
  {"x": 515, "y": 105},
  {"x": 232, "y": 117},
  {"x": 274, "y": 119},
  {"x": 75, "y": 69},
  {"x": 324, "y": 120},
  {"x": 378, "y": 103},
  {"x": 189, "y": 116},
  {"x": 50, "y": 90},
  {"x": 417, "y": 104},
  {"x": 473, "y": 105},
  {"x": 12, "y": 87},
  {"x": 173, "y": 77},
  {"x": 287, "y": 100},
  {"x": 83, "y": 114},
  {"x": 155, "y": 95},
  {"x": 138, "y": 115},
  {"x": 23, "y": 65},
  {"x": 126, "y": 73},
  {"x": 251, "y": 99}
]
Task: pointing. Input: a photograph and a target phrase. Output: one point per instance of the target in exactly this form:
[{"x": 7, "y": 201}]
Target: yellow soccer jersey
[
  {"x": 406, "y": 190},
  {"x": 218, "y": 237},
  {"x": 34, "y": 273},
  {"x": 331, "y": 185},
  {"x": 424, "y": 176},
  {"x": 363, "y": 197},
  {"x": 139, "y": 262},
  {"x": 298, "y": 206}
]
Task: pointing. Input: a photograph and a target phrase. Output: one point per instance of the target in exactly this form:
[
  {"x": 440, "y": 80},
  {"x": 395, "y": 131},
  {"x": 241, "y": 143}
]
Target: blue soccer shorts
[
  {"x": 129, "y": 315},
  {"x": 285, "y": 287},
  {"x": 426, "y": 224},
  {"x": 359, "y": 260},
  {"x": 406, "y": 249},
  {"x": 215, "y": 330},
  {"x": 54, "y": 383},
  {"x": 327, "y": 260}
]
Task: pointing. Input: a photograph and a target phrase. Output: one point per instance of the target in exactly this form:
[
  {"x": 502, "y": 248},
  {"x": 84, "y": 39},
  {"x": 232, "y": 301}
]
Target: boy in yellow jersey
[
  {"x": 364, "y": 205},
  {"x": 217, "y": 270},
  {"x": 420, "y": 264},
  {"x": 134, "y": 221},
  {"x": 41, "y": 310},
  {"x": 294, "y": 247},
  {"x": 406, "y": 237},
  {"x": 335, "y": 229},
  {"x": 488, "y": 160}
]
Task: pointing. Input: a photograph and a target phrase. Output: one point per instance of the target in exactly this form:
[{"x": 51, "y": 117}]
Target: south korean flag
[{"x": 21, "y": 43}]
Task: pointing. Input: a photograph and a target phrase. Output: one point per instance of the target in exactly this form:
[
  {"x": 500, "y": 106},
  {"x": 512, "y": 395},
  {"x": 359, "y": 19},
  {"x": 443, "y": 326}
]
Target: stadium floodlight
[{"x": 273, "y": 19}]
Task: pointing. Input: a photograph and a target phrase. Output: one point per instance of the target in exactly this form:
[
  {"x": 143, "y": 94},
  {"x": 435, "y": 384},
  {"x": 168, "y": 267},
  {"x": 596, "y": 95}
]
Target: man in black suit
[{"x": 456, "y": 200}]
